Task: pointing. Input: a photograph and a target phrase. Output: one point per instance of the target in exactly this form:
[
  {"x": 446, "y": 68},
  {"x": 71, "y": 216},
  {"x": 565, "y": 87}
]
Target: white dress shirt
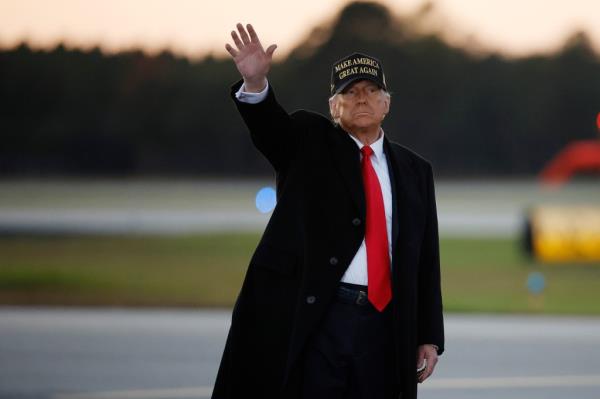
[{"x": 356, "y": 273}]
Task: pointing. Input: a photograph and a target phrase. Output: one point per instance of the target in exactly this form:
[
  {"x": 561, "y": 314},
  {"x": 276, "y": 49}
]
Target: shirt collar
[{"x": 377, "y": 146}]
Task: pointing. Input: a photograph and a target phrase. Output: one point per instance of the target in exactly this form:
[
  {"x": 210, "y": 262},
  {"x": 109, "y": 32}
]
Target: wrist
[{"x": 255, "y": 85}]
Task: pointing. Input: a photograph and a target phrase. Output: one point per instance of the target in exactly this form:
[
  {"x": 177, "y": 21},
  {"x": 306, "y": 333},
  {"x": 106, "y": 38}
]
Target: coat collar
[{"x": 377, "y": 146}]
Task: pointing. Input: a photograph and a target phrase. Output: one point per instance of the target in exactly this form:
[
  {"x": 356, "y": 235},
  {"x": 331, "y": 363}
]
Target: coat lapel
[
  {"x": 346, "y": 156},
  {"x": 395, "y": 192},
  {"x": 402, "y": 181}
]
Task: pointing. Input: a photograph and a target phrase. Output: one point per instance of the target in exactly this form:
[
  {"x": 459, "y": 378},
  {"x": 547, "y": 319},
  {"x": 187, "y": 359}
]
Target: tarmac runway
[
  {"x": 54, "y": 353},
  {"x": 468, "y": 208}
]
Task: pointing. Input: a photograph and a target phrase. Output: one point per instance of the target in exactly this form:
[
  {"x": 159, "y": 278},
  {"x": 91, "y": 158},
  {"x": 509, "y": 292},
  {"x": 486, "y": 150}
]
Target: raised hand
[{"x": 251, "y": 60}]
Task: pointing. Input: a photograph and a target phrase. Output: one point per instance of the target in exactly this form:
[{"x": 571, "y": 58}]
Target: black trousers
[{"x": 351, "y": 355}]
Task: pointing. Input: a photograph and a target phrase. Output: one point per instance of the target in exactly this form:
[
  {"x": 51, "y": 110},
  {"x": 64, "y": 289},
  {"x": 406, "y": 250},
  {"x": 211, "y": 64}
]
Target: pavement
[
  {"x": 492, "y": 207},
  {"x": 81, "y": 353}
]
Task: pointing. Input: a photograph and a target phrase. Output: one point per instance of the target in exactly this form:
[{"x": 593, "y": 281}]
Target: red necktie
[{"x": 378, "y": 260}]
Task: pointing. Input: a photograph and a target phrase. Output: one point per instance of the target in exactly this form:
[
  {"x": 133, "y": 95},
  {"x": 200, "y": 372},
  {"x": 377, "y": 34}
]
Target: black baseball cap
[{"x": 355, "y": 67}]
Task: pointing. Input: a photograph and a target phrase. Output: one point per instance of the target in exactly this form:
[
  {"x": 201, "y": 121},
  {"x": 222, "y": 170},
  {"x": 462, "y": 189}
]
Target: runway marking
[
  {"x": 168, "y": 393},
  {"x": 434, "y": 383},
  {"x": 512, "y": 382}
]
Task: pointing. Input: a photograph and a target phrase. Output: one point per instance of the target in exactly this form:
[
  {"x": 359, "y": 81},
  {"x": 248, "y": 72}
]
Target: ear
[
  {"x": 333, "y": 108},
  {"x": 387, "y": 101}
]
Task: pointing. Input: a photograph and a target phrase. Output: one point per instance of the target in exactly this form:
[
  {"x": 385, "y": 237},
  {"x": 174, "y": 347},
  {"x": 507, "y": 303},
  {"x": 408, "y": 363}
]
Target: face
[{"x": 360, "y": 106}]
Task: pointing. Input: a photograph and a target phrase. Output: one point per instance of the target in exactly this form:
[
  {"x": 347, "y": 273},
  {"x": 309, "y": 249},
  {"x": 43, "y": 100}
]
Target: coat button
[
  {"x": 311, "y": 299},
  {"x": 356, "y": 221},
  {"x": 333, "y": 261}
]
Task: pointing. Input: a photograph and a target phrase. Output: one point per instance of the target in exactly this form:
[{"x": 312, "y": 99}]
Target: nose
[{"x": 361, "y": 96}]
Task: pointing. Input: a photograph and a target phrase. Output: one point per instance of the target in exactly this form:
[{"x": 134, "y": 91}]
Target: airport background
[{"x": 131, "y": 196}]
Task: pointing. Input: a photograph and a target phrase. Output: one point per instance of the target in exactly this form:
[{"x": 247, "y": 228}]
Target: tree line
[{"x": 85, "y": 113}]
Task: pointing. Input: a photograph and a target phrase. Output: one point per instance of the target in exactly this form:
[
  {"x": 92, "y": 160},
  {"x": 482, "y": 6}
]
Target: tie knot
[{"x": 366, "y": 151}]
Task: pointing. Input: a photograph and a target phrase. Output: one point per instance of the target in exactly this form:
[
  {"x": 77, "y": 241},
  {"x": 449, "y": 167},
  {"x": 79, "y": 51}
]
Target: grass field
[{"x": 479, "y": 275}]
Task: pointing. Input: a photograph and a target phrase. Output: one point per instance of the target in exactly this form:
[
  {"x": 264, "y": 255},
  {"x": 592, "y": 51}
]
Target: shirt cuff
[{"x": 251, "y": 98}]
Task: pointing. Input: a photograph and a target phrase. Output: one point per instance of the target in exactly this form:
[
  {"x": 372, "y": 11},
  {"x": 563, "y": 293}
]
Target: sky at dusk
[{"x": 195, "y": 27}]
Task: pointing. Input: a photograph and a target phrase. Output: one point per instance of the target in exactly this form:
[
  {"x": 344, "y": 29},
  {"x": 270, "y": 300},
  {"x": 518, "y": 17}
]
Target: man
[{"x": 342, "y": 296}]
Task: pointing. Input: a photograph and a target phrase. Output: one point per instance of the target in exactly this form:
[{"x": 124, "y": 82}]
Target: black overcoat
[{"x": 313, "y": 234}]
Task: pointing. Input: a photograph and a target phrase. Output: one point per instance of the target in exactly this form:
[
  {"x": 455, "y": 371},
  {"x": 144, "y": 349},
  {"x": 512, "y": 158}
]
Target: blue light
[
  {"x": 266, "y": 199},
  {"x": 536, "y": 282}
]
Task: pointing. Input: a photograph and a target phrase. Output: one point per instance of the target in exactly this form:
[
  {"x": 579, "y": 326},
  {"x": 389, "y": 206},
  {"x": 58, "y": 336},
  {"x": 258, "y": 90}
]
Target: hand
[
  {"x": 430, "y": 353},
  {"x": 251, "y": 60}
]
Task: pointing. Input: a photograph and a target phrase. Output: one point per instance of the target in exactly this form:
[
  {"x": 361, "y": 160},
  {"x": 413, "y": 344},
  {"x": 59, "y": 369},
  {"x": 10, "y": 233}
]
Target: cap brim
[{"x": 345, "y": 84}]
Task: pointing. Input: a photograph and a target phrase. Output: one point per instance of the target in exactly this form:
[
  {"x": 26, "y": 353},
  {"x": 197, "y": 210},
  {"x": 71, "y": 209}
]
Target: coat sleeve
[
  {"x": 272, "y": 129},
  {"x": 430, "y": 318}
]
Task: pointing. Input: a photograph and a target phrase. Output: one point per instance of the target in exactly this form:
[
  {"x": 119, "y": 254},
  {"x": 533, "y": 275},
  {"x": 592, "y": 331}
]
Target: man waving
[{"x": 342, "y": 295}]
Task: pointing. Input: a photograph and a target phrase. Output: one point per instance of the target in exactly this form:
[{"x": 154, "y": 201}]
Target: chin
[{"x": 364, "y": 122}]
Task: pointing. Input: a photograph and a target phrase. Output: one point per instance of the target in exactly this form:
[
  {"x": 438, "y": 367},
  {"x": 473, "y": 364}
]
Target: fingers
[
  {"x": 236, "y": 40},
  {"x": 231, "y": 50},
  {"x": 271, "y": 50},
  {"x": 243, "y": 34},
  {"x": 426, "y": 373},
  {"x": 429, "y": 370},
  {"x": 241, "y": 38},
  {"x": 420, "y": 361},
  {"x": 252, "y": 32},
  {"x": 431, "y": 362}
]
